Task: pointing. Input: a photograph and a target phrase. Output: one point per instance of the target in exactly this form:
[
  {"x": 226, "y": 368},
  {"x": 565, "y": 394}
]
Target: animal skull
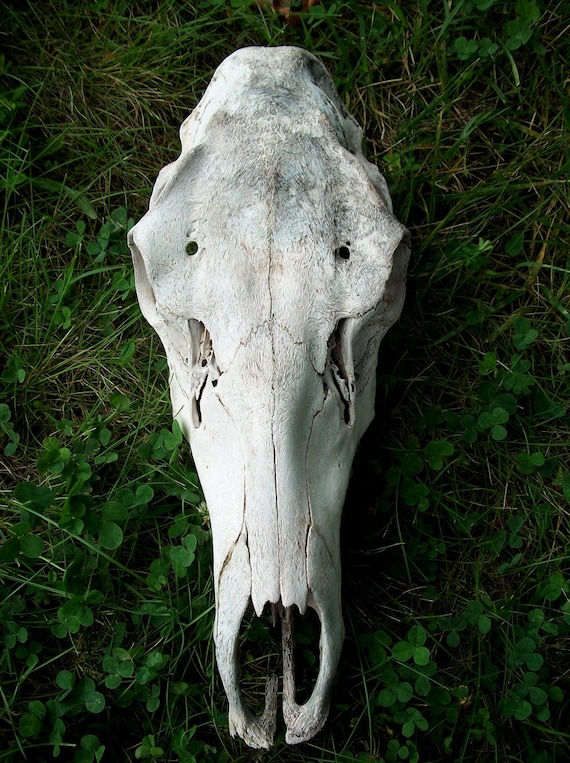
[{"x": 271, "y": 266}]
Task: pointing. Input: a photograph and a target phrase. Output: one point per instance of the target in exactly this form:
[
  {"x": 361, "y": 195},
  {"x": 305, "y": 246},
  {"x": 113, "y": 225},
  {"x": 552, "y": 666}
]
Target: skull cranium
[{"x": 271, "y": 266}]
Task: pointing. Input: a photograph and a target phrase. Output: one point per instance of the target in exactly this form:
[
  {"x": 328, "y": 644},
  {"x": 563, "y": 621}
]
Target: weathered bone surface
[{"x": 271, "y": 266}]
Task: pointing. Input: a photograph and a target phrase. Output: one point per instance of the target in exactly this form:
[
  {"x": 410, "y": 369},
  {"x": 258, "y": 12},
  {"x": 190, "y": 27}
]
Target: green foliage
[
  {"x": 503, "y": 36},
  {"x": 456, "y": 532},
  {"x": 8, "y": 430}
]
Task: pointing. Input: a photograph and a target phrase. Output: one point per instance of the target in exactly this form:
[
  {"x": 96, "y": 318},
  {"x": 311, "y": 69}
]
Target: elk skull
[{"x": 271, "y": 266}]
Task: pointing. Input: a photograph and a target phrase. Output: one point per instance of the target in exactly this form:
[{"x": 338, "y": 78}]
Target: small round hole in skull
[
  {"x": 191, "y": 247},
  {"x": 343, "y": 252}
]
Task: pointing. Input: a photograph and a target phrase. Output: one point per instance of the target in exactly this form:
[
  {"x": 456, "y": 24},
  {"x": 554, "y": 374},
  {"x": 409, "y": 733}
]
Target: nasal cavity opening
[
  {"x": 264, "y": 652},
  {"x": 306, "y": 632},
  {"x": 339, "y": 370},
  {"x": 259, "y": 647},
  {"x": 203, "y": 366}
]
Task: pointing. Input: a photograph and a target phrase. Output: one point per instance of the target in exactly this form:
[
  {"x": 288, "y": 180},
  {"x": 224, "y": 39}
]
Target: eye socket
[
  {"x": 343, "y": 252},
  {"x": 191, "y": 247}
]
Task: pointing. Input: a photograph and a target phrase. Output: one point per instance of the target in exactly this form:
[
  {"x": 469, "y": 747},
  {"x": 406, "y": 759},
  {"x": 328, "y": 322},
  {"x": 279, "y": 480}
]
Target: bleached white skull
[{"x": 271, "y": 266}]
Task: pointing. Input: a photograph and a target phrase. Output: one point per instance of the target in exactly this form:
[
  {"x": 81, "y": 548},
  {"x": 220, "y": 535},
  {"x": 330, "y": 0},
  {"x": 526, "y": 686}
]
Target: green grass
[{"x": 456, "y": 528}]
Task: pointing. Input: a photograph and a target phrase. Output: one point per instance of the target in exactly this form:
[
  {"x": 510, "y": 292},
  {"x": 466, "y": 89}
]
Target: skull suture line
[{"x": 271, "y": 266}]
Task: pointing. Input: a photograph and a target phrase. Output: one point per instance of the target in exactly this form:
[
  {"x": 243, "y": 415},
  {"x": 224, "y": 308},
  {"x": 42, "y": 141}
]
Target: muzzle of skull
[
  {"x": 274, "y": 540},
  {"x": 271, "y": 265}
]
